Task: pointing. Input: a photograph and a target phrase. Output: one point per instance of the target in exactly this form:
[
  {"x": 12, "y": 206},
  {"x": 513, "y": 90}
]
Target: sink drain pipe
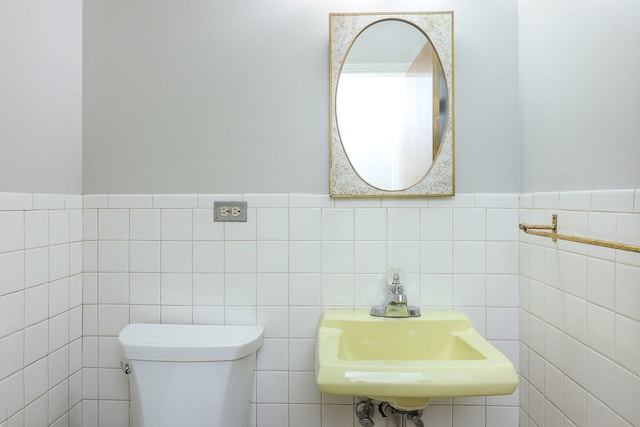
[{"x": 364, "y": 412}]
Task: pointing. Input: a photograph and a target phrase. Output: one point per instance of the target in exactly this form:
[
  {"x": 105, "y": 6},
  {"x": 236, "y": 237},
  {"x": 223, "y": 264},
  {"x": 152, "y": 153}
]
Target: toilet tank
[{"x": 190, "y": 375}]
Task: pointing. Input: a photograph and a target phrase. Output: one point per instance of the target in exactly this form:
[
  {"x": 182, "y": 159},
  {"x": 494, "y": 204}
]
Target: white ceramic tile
[
  {"x": 58, "y": 365},
  {"x": 36, "y": 342},
  {"x": 502, "y": 290},
  {"x": 337, "y": 224},
  {"x": 272, "y": 289},
  {"x": 309, "y": 415},
  {"x": 113, "y": 256},
  {"x": 469, "y": 257},
  {"x": 310, "y": 201},
  {"x": 48, "y": 201},
  {"x": 208, "y": 257},
  {"x": 15, "y": 201},
  {"x": 369, "y": 257},
  {"x": 627, "y": 291},
  {"x": 502, "y": 224},
  {"x": 113, "y": 412},
  {"x": 89, "y": 256},
  {"x": 208, "y": 289},
  {"x": 113, "y": 224},
  {"x": 628, "y": 228},
  {"x": 144, "y": 256},
  {"x": 502, "y": 323},
  {"x": 502, "y": 257},
  {"x": 112, "y": 318},
  {"x": 612, "y": 200},
  {"x": 600, "y": 324},
  {"x": 272, "y": 256},
  {"x": 627, "y": 351},
  {"x": 272, "y": 414},
  {"x": 575, "y": 275},
  {"x": 272, "y": 387},
  {"x": 59, "y": 335},
  {"x": 240, "y": 257},
  {"x": 175, "y": 201},
  {"x": 460, "y": 200},
  {"x": 337, "y": 257},
  {"x": 305, "y": 289},
  {"x": 58, "y": 296},
  {"x": 90, "y": 224},
  {"x": 403, "y": 223},
  {"x": 468, "y": 416},
  {"x": 95, "y": 201},
  {"x": 275, "y": 320},
  {"x": 12, "y": 229},
  {"x": 176, "y": 289},
  {"x": 36, "y": 229},
  {"x": 469, "y": 224},
  {"x": 370, "y": 224},
  {"x": 305, "y": 257},
  {"x": 36, "y": 266},
  {"x": 546, "y": 200},
  {"x": 36, "y": 304},
  {"x": 405, "y": 255},
  {"x": 176, "y": 257},
  {"x": 206, "y": 200},
  {"x": 58, "y": 261},
  {"x": 436, "y": 257},
  {"x": 575, "y": 402},
  {"x": 204, "y": 228},
  {"x": 575, "y": 200},
  {"x": 436, "y": 290},
  {"x": 242, "y": 230},
  {"x": 303, "y": 388},
  {"x": 273, "y": 355},
  {"x": 496, "y": 200},
  {"x": 112, "y": 384},
  {"x": 113, "y": 288},
  {"x": 12, "y": 309},
  {"x": 75, "y": 258},
  {"x": 600, "y": 381},
  {"x": 553, "y": 307},
  {"x": 302, "y": 354},
  {"x": 469, "y": 290},
  {"x": 575, "y": 360},
  {"x": 627, "y": 395},
  {"x": 598, "y": 414},
  {"x": 303, "y": 321},
  {"x": 305, "y": 224},
  {"x": 144, "y": 288},
  {"x": 436, "y": 224},
  {"x": 240, "y": 289},
  {"x": 176, "y": 224},
  {"x": 145, "y": 224},
  {"x": 272, "y": 224},
  {"x": 337, "y": 290},
  {"x": 575, "y": 317}
]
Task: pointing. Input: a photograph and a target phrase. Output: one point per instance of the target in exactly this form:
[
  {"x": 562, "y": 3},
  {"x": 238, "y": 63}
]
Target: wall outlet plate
[{"x": 230, "y": 211}]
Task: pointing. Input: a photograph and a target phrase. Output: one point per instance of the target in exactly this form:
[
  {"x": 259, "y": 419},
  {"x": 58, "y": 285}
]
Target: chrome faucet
[{"x": 395, "y": 303}]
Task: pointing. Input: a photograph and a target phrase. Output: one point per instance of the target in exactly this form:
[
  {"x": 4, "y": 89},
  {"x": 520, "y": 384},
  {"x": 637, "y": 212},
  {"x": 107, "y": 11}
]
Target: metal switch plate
[{"x": 230, "y": 211}]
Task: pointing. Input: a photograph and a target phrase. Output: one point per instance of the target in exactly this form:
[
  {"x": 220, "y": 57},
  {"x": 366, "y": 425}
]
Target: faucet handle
[{"x": 396, "y": 276}]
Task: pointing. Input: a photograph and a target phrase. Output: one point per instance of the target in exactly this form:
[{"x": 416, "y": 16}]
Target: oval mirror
[{"x": 389, "y": 104}]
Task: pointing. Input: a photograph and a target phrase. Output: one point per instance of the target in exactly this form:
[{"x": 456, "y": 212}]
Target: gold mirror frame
[{"x": 344, "y": 28}]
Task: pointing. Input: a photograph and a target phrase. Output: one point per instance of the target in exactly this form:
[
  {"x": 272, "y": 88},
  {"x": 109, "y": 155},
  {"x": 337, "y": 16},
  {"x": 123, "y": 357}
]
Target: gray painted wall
[
  {"x": 222, "y": 96},
  {"x": 579, "y": 94},
  {"x": 41, "y": 96}
]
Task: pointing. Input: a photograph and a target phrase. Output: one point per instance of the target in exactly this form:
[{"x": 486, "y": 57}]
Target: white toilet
[{"x": 190, "y": 375}]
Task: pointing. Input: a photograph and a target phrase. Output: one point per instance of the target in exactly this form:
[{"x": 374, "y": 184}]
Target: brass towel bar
[{"x": 553, "y": 234}]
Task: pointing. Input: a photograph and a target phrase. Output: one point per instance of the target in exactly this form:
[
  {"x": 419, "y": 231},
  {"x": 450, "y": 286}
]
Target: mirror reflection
[{"x": 389, "y": 104}]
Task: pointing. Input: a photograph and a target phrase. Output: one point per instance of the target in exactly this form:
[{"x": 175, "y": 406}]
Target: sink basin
[{"x": 408, "y": 361}]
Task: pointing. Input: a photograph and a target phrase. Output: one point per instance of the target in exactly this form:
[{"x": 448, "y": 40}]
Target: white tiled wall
[
  {"x": 580, "y": 312},
  {"x": 161, "y": 258},
  {"x": 40, "y": 310}
]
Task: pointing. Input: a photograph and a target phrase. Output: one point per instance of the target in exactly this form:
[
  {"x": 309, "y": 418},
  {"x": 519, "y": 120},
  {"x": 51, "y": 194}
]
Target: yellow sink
[{"x": 408, "y": 361}]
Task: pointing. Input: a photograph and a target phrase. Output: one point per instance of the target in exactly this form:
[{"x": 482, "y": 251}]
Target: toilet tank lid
[{"x": 167, "y": 342}]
